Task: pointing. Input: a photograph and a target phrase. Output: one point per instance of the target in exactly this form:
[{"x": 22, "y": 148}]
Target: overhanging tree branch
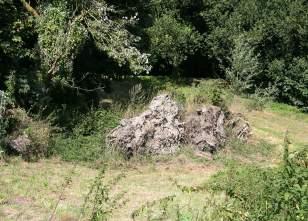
[{"x": 30, "y": 9}]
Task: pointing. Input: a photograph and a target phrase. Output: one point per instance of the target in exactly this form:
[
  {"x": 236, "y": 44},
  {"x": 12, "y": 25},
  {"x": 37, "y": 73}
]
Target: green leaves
[
  {"x": 63, "y": 33},
  {"x": 172, "y": 40},
  {"x": 60, "y": 39},
  {"x": 260, "y": 44},
  {"x": 245, "y": 66}
]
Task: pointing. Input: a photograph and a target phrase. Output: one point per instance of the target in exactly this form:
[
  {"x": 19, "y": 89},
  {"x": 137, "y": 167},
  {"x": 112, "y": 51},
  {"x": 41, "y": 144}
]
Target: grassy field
[{"x": 56, "y": 190}]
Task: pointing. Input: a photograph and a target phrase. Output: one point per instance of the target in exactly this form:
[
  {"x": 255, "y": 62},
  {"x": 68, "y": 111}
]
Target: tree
[
  {"x": 63, "y": 30},
  {"x": 19, "y": 61},
  {"x": 172, "y": 41},
  {"x": 245, "y": 66},
  {"x": 277, "y": 33}
]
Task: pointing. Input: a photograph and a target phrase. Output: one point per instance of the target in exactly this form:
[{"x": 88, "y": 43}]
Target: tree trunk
[{"x": 29, "y": 8}]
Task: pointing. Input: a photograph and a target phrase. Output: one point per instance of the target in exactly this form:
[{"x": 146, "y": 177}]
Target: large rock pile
[
  {"x": 161, "y": 130},
  {"x": 156, "y": 131}
]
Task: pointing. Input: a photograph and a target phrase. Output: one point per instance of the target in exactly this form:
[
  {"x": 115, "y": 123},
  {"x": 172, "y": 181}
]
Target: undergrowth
[{"x": 87, "y": 140}]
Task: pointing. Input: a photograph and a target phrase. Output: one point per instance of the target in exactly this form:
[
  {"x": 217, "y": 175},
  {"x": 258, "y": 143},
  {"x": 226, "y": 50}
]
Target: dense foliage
[
  {"x": 75, "y": 46},
  {"x": 271, "y": 37}
]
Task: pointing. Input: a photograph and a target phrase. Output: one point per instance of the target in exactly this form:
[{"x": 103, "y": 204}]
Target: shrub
[
  {"x": 290, "y": 78},
  {"x": 172, "y": 40},
  {"x": 261, "y": 97},
  {"x": 252, "y": 46},
  {"x": 216, "y": 98},
  {"x": 179, "y": 97},
  {"x": 39, "y": 133},
  {"x": 78, "y": 147},
  {"x": 99, "y": 203},
  {"x": 3, "y": 120},
  {"x": 257, "y": 102},
  {"x": 215, "y": 93}
]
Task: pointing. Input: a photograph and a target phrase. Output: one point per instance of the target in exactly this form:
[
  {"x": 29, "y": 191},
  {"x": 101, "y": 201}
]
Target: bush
[
  {"x": 78, "y": 148},
  {"x": 99, "y": 204},
  {"x": 252, "y": 46},
  {"x": 261, "y": 97},
  {"x": 214, "y": 92},
  {"x": 3, "y": 120},
  {"x": 245, "y": 66},
  {"x": 39, "y": 133},
  {"x": 257, "y": 102},
  {"x": 291, "y": 81}
]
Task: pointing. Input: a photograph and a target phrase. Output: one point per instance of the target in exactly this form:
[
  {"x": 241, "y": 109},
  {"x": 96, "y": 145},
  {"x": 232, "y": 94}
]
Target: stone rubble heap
[{"x": 162, "y": 130}]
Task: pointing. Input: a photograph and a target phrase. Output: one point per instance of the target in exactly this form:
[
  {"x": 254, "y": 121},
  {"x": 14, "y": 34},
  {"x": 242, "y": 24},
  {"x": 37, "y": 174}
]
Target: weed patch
[
  {"x": 240, "y": 192},
  {"x": 266, "y": 194},
  {"x": 87, "y": 141}
]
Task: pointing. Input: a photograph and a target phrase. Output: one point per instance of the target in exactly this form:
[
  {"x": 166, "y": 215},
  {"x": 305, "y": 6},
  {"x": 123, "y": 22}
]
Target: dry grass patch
[
  {"x": 30, "y": 191},
  {"x": 272, "y": 123}
]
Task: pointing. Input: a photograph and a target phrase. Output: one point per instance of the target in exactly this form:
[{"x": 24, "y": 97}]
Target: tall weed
[{"x": 98, "y": 203}]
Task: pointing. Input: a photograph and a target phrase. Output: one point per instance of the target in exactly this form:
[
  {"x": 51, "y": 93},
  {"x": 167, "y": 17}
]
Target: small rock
[
  {"x": 20, "y": 144},
  {"x": 240, "y": 127}
]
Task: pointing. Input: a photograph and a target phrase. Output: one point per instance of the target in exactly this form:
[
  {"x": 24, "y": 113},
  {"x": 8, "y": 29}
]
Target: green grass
[{"x": 288, "y": 111}]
